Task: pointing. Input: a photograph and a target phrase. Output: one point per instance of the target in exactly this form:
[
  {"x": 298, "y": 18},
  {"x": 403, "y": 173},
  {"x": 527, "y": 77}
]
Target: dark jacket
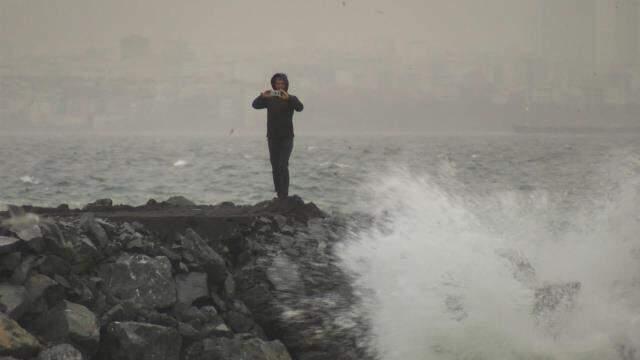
[{"x": 279, "y": 114}]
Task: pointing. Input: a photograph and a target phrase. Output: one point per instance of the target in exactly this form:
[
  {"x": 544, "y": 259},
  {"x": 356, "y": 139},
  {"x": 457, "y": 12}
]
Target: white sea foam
[
  {"x": 440, "y": 286},
  {"x": 180, "y": 163},
  {"x": 27, "y": 179}
]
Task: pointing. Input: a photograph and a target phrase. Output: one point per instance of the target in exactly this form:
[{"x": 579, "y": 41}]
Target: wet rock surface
[{"x": 175, "y": 280}]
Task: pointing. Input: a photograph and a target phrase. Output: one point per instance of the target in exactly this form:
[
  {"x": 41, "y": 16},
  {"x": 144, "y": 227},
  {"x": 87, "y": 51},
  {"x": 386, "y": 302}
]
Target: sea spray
[{"x": 449, "y": 274}]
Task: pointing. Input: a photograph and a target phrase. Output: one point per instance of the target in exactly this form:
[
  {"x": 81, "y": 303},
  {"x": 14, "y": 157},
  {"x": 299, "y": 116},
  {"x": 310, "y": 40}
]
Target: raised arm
[
  {"x": 260, "y": 102},
  {"x": 296, "y": 103}
]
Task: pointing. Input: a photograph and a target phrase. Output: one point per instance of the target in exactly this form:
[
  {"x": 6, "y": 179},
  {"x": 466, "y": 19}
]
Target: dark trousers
[{"x": 279, "y": 153}]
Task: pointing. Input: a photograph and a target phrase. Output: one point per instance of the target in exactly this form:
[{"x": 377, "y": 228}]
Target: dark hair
[{"x": 282, "y": 76}]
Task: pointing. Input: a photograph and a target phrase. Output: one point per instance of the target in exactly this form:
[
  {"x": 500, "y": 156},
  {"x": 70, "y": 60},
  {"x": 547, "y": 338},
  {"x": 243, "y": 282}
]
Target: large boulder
[
  {"x": 140, "y": 279},
  {"x": 72, "y": 322},
  {"x": 240, "y": 347},
  {"x": 140, "y": 341},
  {"x": 179, "y": 201},
  {"x": 8, "y": 244},
  {"x": 101, "y": 204},
  {"x": 41, "y": 288},
  {"x": 61, "y": 352},
  {"x": 77, "y": 249},
  {"x": 197, "y": 250},
  {"x": 16, "y": 341},
  {"x": 191, "y": 287},
  {"x": 91, "y": 227},
  {"x": 13, "y": 300}
]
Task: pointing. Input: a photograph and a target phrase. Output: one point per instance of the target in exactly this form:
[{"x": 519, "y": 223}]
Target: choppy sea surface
[
  {"x": 485, "y": 247},
  {"x": 50, "y": 170}
]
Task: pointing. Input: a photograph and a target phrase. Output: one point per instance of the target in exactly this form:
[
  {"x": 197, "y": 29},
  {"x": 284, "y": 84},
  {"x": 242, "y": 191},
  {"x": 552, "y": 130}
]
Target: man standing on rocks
[{"x": 280, "y": 106}]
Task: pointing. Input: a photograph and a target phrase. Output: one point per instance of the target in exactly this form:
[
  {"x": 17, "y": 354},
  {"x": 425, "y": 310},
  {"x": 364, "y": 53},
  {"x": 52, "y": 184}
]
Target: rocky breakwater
[{"x": 174, "y": 280}]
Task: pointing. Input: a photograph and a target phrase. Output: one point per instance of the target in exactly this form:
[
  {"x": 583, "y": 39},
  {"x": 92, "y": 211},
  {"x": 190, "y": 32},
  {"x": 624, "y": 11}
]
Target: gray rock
[
  {"x": 229, "y": 287},
  {"x": 11, "y": 260},
  {"x": 16, "y": 341},
  {"x": 116, "y": 313},
  {"x": 99, "y": 204},
  {"x": 23, "y": 271},
  {"x": 240, "y": 323},
  {"x": 187, "y": 331},
  {"x": 77, "y": 250},
  {"x": 280, "y": 220},
  {"x": 32, "y": 235},
  {"x": 179, "y": 201},
  {"x": 213, "y": 264},
  {"x": 216, "y": 328},
  {"x": 70, "y": 322},
  {"x": 139, "y": 341},
  {"x": 141, "y": 279},
  {"x": 41, "y": 287},
  {"x": 238, "y": 348},
  {"x": 89, "y": 224},
  {"x": 13, "y": 300},
  {"x": 52, "y": 265},
  {"x": 61, "y": 352},
  {"x": 191, "y": 287},
  {"x": 8, "y": 244}
]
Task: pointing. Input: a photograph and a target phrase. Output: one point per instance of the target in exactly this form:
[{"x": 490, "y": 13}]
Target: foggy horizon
[{"x": 374, "y": 67}]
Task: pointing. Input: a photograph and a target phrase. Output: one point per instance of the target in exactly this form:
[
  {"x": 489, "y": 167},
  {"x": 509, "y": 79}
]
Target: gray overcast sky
[
  {"x": 47, "y": 26},
  {"x": 581, "y": 53}
]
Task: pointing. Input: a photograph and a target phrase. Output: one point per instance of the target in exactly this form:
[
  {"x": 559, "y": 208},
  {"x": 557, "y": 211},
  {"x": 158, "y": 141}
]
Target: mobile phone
[{"x": 276, "y": 93}]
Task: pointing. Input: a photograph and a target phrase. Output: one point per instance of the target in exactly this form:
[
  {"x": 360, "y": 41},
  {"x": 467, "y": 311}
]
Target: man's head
[{"x": 279, "y": 81}]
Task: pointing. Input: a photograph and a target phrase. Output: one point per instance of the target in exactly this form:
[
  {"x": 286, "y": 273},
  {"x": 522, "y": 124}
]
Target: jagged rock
[
  {"x": 99, "y": 204},
  {"x": 239, "y": 347},
  {"x": 229, "y": 287},
  {"x": 31, "y": 234},
  {"x": 78, "y": 250},
  {"x": 52, "y": 265},
  {"x": 116, "y": 313},
  {"x": 153, "y": 317},
  {"x": 240, "y": 323},
  {"x": 72, "y": 322},
  {"x": 79, "y": 291},
  {"x": 191, "y": 287},
  {"x": 218, "y": 302},
  {"x": 212, "y": 263},
  {"x": 16, "y": 341},
  {"x": 61, "y": 352},
  {"x": 187, "y": 331},
  {"x": 141, "y": 279},
  {"x": 8, "y": 244},
  {"x": 8, "y": 262},
  {"x": 89, "y": 225},
  {"x": 13, "y": 300},
  {"x": 23, "y": 270},
  {"x": 140, "y": 341},
  {"x": 42, "y": 288},
  {"x": 179, "y": 201}
]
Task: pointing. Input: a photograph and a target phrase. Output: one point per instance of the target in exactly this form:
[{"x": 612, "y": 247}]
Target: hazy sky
[
  {"x": 47, "y": 26},
  {"x": 258, "y": 32}
]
